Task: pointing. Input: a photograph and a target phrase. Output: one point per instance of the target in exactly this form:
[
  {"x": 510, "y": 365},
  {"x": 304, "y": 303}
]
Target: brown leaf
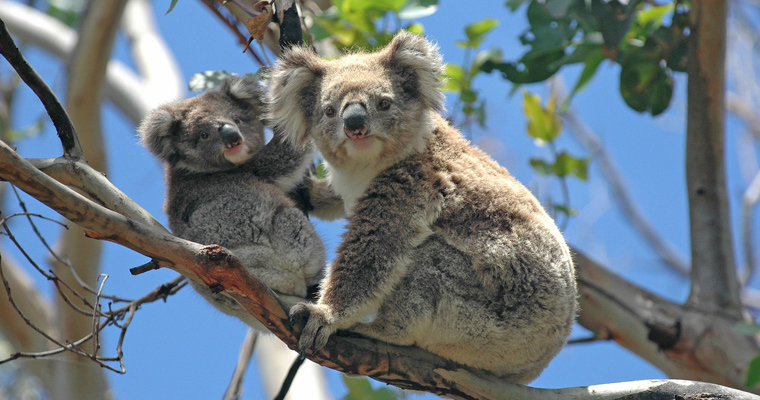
[{"x": 257, "y": 25}]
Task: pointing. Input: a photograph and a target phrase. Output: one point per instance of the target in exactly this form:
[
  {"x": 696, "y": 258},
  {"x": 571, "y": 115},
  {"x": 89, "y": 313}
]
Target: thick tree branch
[
  {"x": 80, "y": 175},
  {"x": 715, "y": 287},
  {"x": 682, "y": 341},
  {"x": 161, "y": 77}
]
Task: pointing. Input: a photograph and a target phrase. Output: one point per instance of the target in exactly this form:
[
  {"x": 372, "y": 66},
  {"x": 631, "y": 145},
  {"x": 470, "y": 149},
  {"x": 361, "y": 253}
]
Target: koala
[
  {"x": 226, "y": 187},
  {"x": 444, "y": 249}
]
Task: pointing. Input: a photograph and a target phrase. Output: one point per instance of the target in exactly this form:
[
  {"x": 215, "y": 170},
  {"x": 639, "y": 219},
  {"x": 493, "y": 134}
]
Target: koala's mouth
[
  {"x": 356, "y": 134},
  {"x": 232, "y": 145}
]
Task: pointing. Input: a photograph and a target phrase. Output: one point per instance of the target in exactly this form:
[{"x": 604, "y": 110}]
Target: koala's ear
[
  {"x": 155, "y": 132},
  {"x": 244, "y": 88},
  {"x": 415, "y": 53},
  {"x": 292, "y": 92}
]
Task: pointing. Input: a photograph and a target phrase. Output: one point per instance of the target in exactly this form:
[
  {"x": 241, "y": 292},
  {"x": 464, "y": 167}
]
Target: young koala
[
  {"x": 444, "y": 249},
  {"x": 225, "y": 187}
]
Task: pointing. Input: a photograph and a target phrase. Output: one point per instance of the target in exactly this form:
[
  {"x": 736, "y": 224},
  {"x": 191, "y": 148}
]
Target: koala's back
[
  {"x": 233, "y": 207},
  {"x": 254, "y": 219},
  {"x": 494, "y": 274}
]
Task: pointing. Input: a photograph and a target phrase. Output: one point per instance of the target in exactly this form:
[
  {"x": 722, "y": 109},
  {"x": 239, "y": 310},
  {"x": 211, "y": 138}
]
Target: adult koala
[{"x": 444, "y": 249}]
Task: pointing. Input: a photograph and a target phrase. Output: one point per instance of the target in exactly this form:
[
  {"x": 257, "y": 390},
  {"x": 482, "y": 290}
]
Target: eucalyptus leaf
[
  {"x": 541, "y": 166},
  {"x": 747, "y": 329},
  {"x": 543, "y": 123},
  {"x": 207, "y": 80},
  {"x": 753, "y": 373},
  {"x": 475, "y": 32},
  {"x": 414, "y": 9},
  {"x": 171, "y": 7}
]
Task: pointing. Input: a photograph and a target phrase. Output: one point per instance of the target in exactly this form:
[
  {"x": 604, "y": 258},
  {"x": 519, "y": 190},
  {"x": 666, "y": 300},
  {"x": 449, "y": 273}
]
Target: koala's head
[
  {"x": 363, "y": 107},
  {"x": 214, "y": 131}
]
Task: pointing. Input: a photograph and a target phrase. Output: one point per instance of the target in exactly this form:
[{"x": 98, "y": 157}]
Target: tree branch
[
  {"x": 61, "y": 121},
  {"x": 715, "y": 286},
  {"x": 683, "y": 342},
  {"x": 234, "y": 391},
  {"x": 620, "y": 192}
]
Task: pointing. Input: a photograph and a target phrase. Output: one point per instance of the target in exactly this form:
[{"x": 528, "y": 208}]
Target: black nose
[
  {"x": 230, "y": 136},
  {"x": 355, "y": 117}
]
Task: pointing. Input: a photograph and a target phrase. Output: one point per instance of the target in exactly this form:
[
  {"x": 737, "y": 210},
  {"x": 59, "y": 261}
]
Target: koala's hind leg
[
  {"x": 443, "y": 307},
  {"x": 408, "y": 316},
  {"x": 298, "y": 247}
]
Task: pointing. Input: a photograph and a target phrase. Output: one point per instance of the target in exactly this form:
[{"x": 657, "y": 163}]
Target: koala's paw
[{"x": 318, "y": 326}]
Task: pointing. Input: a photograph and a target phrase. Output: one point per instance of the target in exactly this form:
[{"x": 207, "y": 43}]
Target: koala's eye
[
  {"x": 236, "y": 120},
  {"x": 204, "y": 135},
  {"x": 330, "y": 111},
  {"x": 384, "y": 104}
]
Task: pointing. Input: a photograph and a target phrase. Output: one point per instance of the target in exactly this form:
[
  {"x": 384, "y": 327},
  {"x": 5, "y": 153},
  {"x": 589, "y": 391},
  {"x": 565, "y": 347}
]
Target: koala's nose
[
  {"x": 355, "y": 119},
  {"x": 230, "y": 136}
]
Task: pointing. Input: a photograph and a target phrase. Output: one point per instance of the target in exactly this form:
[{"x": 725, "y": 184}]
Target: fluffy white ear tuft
[
  {"x": 244, "y": 88},
  {"x": 155, "y": 130},
  {"x": 293, "y": 89},
  {"x": 422, "y": 56}
]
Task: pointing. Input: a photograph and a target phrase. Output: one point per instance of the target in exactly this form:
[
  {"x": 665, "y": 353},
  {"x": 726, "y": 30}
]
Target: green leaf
[
  {"x": 66, "y": 11},
  {"x": 645, "y": 85},
  {"x": 566, "y": 165},
  {"x": 30, "y": 131},
  {"x": 321, "y": 170},
  {"x": 414, "y": 9},
  {"x": 513, "y": 5},
  {"x": 592, "y": 64},
  {"x": 558, "y": 8},
  {"x": 492, "y": 56},
  {"x": 543, "y": 123},
  {"x": 564, "y": 209},
  {"x": 454, "y": 75},
  {"x": 541, "y": 166},
  {"x": 653, "y": 15},
  {"x": 469, "y": 96},
  {"x": 417, "y": 29},
  {"x": 206, "y": 80},
  {"x": 171, "y": 7},
  {"x": 747, "y": 329},
  {"x": 360, "y": 389},
  {"x": 480, "y": 113},
  {"x": 475, "y": 32},
  {"x": 753, "y": 373}
]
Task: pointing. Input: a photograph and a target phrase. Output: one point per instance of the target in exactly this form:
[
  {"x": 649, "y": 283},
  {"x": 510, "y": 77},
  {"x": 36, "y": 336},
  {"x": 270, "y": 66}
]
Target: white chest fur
[{"x": 351, "y": 183}]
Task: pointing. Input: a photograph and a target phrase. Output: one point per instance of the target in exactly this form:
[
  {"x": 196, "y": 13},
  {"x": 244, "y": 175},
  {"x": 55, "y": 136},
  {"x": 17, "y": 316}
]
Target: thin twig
[
  {"x": 289, "y": 378},
  {"x": 244, "y": 359},
  {"x": 233, "y": 27},
  {"x": 50, "y": 275},
  {"x": 620, "y": 192}
]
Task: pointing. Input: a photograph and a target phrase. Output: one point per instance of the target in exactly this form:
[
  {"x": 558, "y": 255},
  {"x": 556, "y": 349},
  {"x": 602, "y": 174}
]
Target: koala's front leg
[
  {"x": 390, "y": 219},
  {"x": 282, "y": 163},
  {"x": 327, "y": 205}
]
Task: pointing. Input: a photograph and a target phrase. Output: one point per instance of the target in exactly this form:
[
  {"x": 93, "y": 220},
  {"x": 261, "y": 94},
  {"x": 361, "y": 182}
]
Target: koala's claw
[{"x": 318, "y": 328}]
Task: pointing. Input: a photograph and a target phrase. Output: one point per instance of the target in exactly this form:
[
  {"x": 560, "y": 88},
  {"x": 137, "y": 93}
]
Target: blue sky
[{"x": 186, "y": 349}]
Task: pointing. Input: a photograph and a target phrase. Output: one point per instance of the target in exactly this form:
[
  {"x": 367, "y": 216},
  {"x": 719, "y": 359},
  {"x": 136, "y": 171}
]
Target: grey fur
[
  {"x": 444, "y": 249},
  {"x": 235, "y": 196}
]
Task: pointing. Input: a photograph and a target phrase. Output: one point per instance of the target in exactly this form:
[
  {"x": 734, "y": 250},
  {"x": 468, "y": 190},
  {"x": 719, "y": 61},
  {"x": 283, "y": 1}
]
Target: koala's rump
[{"x": 443, "y": 307}]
